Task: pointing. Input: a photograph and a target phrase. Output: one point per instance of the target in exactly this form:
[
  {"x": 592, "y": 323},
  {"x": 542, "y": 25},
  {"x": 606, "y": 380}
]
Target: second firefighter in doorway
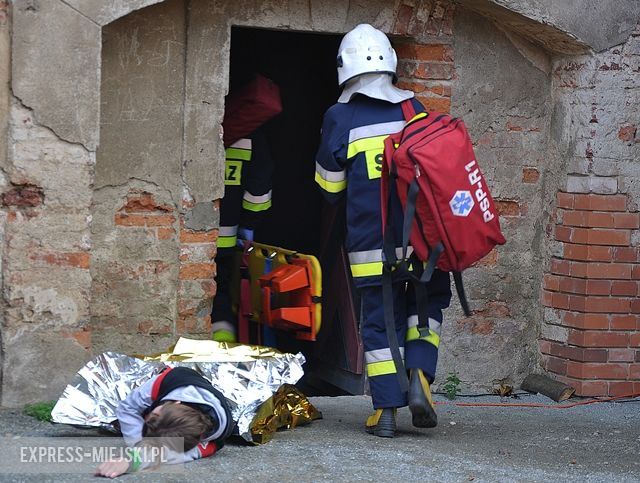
[
  {"x": 348, "y": 164},
  {"x": 247, "y": 199}
]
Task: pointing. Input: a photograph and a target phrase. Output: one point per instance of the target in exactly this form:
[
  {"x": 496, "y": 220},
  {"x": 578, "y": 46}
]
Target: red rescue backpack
[
  {"x": 249, "y": 107},
  {"x": 450, "y": 217}
]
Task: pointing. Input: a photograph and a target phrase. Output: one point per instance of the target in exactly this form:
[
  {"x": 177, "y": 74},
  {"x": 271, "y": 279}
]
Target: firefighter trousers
[{"x": 418, "y": 352}]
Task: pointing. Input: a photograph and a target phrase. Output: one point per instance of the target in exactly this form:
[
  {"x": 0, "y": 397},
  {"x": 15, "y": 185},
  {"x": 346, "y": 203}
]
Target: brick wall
[
  {"x": 592, "y": 291},
  {"x": 453, "y": 61},
  {"x": 590, "y": 337},
  {"x": 425, "y": 60},
  {"x": 196, "y": 287},
  {"x": 46, "y": 256}
]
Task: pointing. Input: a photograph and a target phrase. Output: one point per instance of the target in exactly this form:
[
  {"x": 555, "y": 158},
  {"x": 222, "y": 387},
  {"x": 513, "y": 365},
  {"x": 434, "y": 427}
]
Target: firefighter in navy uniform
[
  {"x": 349, "y": 163},
  {"x": 247, "y": 199}
]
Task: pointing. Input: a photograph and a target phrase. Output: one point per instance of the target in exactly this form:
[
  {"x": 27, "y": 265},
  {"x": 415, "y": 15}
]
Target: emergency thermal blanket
[{"x": 246, "y": 375}]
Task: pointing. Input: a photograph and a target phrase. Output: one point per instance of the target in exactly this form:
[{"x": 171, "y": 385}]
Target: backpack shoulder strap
[{"x": 408, "y": 110}]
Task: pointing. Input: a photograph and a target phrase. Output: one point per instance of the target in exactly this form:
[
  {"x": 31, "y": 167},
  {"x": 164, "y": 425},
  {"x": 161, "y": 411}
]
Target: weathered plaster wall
[
  {"x": 46, "y": 265},
  {"x": 505, "y": 103},
  {"x": 109, "y": 184},
  {"x": 5, "y": 78},
  {"x": 138, "y": 186},
  {"x": 65, "y": 93},
  {"x": 582, "y": 19}
]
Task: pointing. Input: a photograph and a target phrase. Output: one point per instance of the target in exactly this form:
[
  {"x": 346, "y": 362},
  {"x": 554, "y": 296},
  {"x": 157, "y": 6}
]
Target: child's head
[{"x": 173, "y": 419}]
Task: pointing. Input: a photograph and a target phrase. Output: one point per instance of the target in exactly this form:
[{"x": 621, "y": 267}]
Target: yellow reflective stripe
[
  {"x": 368, "y": 263},
  {"x": 238, "y": 153},
  {"x": 432, "y": 338},
  {"x": 418, "y": 116},
  {"x": 256, "y": 203},
  {"x": 366, "y": 144},
  {"x": 366, "y": 269},
  {"x": 248, "y": 205},
  {"x": 330, "y": 186},
  {"x": 381, "y": 368},
  {"x": 434, "y": 325},
  {"x": 227, "y": 241},
  {"x": 227, "y": 236}
]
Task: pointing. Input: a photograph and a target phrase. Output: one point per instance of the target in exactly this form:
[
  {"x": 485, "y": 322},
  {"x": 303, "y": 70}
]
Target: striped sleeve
[
  {"x": 331, "y": 174},
  {"x": 257, "y": 174}
]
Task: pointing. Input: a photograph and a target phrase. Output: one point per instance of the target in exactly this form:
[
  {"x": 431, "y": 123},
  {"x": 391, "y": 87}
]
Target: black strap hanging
[{"x": 389, "y": 265}]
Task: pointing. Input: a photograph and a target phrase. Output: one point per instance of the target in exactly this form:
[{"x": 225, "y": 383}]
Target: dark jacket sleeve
[
  {"x": 331, "y": 172},
  {"x": 257, "y": 182}
]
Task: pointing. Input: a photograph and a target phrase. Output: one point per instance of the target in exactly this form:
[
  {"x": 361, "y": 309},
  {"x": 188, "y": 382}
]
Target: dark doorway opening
[{"x": 303, "y": 65}]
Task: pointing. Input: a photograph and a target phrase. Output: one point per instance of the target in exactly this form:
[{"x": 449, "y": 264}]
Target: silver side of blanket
[{"x": 92, "y": 397}]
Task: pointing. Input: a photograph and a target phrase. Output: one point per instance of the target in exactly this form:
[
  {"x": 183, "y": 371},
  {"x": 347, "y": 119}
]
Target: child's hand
[{"x": 111, "y": 469}]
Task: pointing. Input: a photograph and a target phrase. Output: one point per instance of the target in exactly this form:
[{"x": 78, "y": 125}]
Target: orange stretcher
[{"x": 285, "y": 290}]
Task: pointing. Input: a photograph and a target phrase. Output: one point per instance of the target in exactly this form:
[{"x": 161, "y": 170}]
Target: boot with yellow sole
[{"x": 421, "y": 405}]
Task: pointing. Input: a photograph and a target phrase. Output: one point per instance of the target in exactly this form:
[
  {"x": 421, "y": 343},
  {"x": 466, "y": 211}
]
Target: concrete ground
[{"x": 597, "y": 442}]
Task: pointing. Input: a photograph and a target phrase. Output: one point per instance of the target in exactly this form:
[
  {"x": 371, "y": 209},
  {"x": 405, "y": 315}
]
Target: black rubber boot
[
  {"x": 423, "y": 413},
  {"x": 382, "y": 423}
]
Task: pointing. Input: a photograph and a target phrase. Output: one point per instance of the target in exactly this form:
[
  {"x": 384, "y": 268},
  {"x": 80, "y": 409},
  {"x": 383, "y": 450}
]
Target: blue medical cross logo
[{"x": 461, "y": 203}]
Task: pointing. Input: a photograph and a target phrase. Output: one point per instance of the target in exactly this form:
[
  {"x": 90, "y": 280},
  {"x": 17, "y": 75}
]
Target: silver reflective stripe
[
  {"x": 242, "y": 144},
  {"x": 434, "y": 325},
  {"x": 223, "y": 325},
  {"x": 380, "y": 355},
  {"x": 375, "y": 130},
  {"x": 369, "y": 256},
  {"x": 228, "y": 230},
  {"x": 334, "y": 176},
  {"x": 256, "y": 199}
]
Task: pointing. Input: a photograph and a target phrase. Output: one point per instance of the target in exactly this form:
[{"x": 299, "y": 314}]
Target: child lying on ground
[{"x": 178, "y": 403}]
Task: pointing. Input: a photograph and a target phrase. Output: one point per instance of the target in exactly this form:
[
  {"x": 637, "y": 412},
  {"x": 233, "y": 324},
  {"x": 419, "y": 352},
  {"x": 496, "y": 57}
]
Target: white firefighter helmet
[{"x": 365, "y": 50}]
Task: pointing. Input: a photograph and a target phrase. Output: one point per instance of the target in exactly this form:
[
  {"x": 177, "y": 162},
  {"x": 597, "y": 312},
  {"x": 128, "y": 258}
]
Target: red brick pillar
[{"x": 591, "y": 335}]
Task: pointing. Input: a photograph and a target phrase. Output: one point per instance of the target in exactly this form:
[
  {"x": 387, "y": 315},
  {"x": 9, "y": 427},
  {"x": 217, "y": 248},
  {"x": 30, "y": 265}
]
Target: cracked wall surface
[
  {"x": 505, "y": 103},
  {"x": 63, "y": 93},
  {"x": 138, "y": 186},
  {"x": 112, "y": 162},
  {"x": 45, "y": 269},
  {"x": 5, "y": 79}
]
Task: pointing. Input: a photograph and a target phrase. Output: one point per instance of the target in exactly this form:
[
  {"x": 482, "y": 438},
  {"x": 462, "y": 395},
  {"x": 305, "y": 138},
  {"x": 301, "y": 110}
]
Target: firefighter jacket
[
  {"x": 349, "y": 161},
  {"x": 247, "y": 187}
]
